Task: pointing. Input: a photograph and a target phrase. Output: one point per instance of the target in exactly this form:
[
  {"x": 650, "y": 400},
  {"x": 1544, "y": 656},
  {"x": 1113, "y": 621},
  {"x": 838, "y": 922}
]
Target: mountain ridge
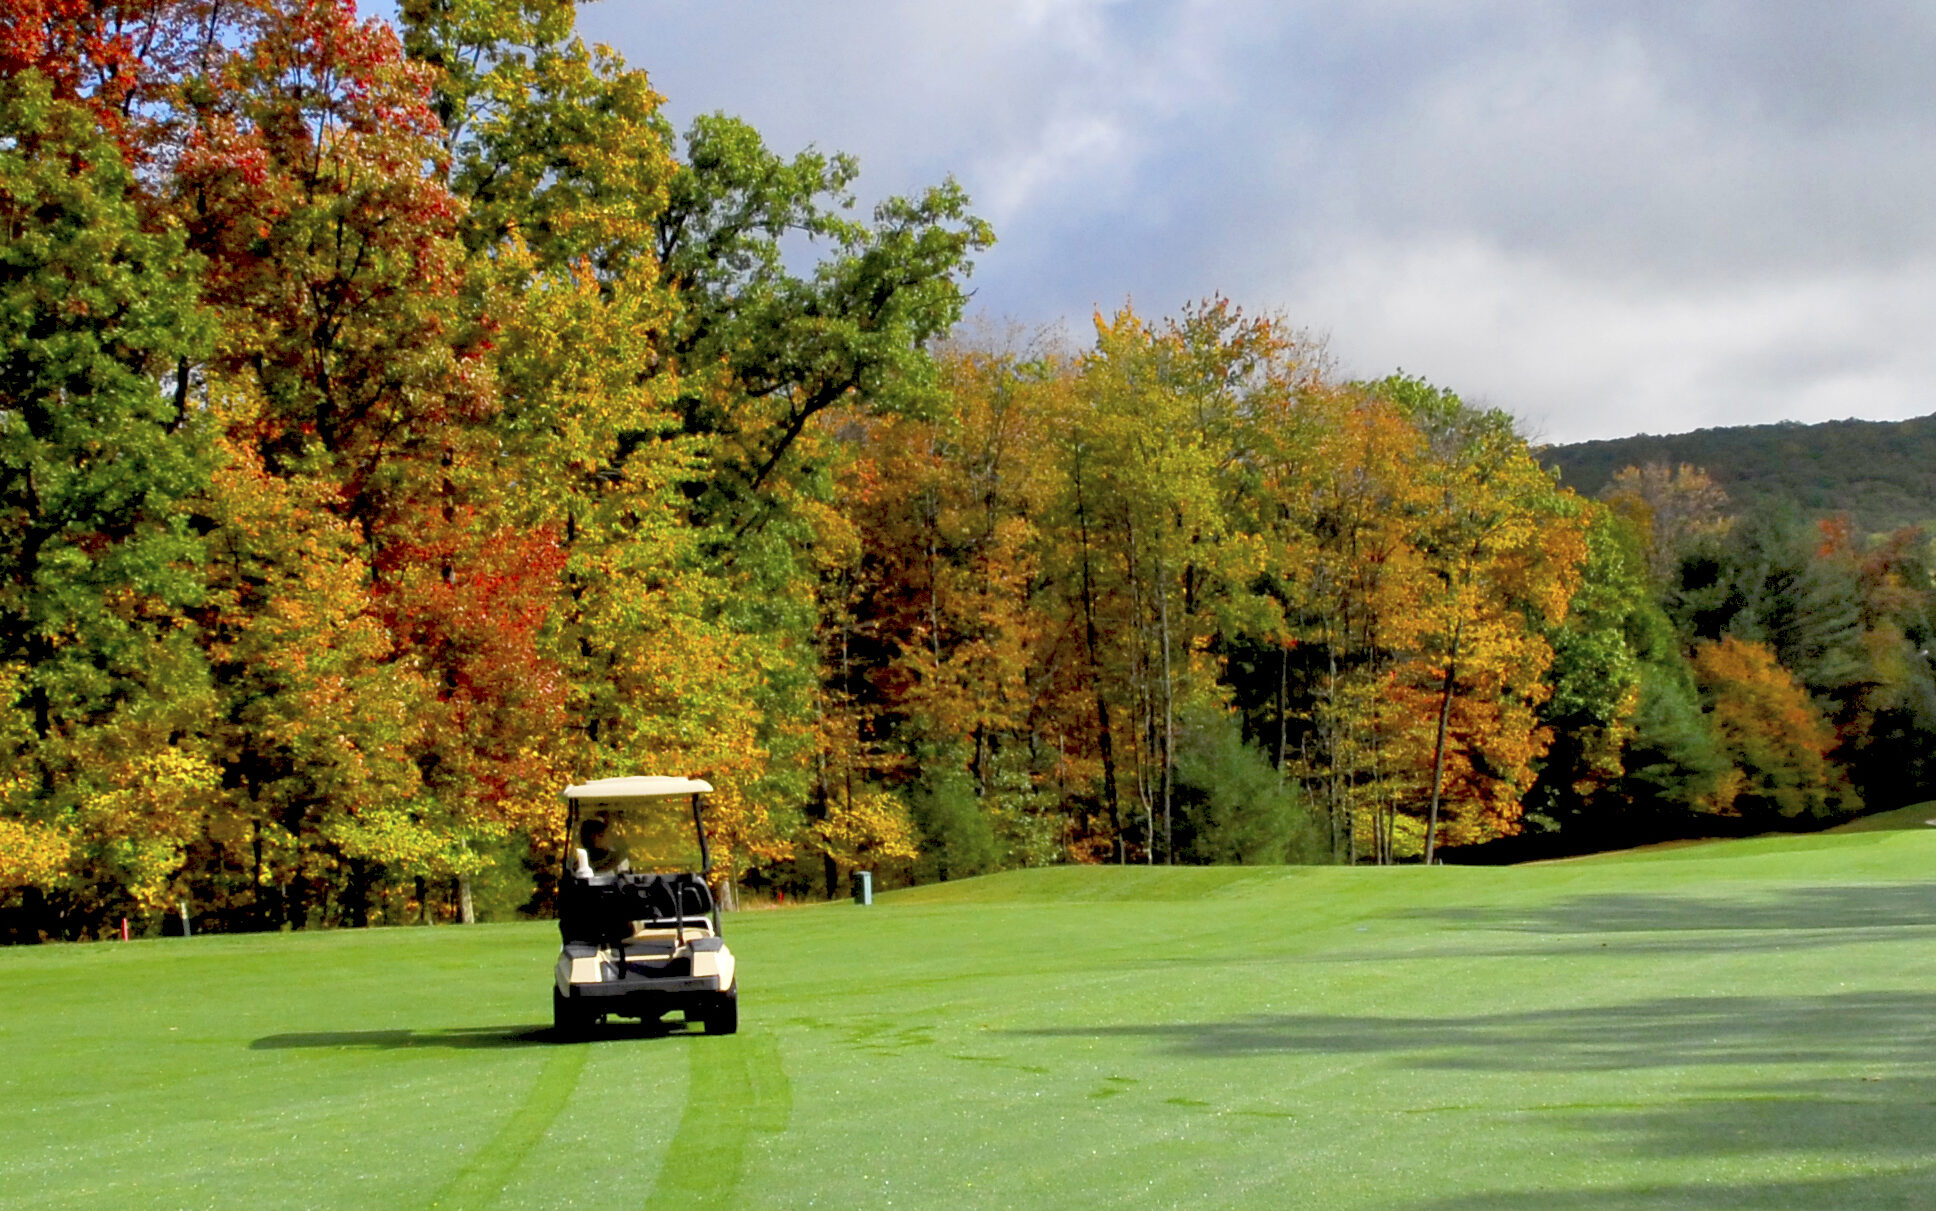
[{"x": 1882, "y": 474}]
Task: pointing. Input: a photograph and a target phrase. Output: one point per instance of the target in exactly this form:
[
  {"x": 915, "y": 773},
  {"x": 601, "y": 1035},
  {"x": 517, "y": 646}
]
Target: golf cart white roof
[{"x": 643, "y": 786}]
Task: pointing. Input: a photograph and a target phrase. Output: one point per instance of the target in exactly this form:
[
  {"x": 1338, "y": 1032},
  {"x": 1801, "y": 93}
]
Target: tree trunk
[
  {"x": 1169, "y": 714},
  {"x": 1379, "y": 856},
  {"x": 1145, "y": 697},
  {"x": 1331, "y": 741},
  {"x": 259, "y": 909},
  {"x": 1283, "y": 703},
  {"x": 466, "y": 906},
  {"x": 1438, "y": 749},
  {"x": 932, "y": 510},
  {"x": 1105, "y": 738},
  {"x": 356, "y": 895}
]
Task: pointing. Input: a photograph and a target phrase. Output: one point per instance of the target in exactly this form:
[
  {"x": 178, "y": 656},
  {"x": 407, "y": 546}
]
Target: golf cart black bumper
[{"x": 671, "y": 986}]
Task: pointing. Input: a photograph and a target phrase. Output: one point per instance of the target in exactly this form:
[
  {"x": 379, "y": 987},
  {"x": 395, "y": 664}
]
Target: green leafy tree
[
  {"x": 98, "y": 321},
  {"x": 764, "y": 354},
  {"x": 1596, "y": 685},
  {"x": 553, "y": 141},
  {"x": 764, "y": 349}
]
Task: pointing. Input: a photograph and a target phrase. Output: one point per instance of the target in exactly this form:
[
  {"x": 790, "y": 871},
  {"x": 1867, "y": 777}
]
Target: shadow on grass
[
  {"x": 1672, "y": 1032},
  {"x": 1873, "y": 1107},
  {"x": 1807, "y": 918},
  {"x": 1877, "y": 906},
  {"x": 464, "y": 1037},
  {"x": 1719, "y": 942},
  {"x": 1874, "y": 1116},
  {"x": 1911, "y": 1188}
]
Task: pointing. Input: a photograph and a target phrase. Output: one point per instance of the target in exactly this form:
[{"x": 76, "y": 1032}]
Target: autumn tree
[
  {"x": 1669, "y": 509},
  {"x": 400, "y": 426},
  {"x": 1503, "y": 545},
  {"x": 945, "y": 630},
  {"x": 122, "y": 61},
  {"x": 316, "y": 725},
  {"x": 1778, "y": 741},
  {"x": 1634, "y": 757},
  {"x": 1340, "y": 499},
  {"x": 561, "y": 150},
  {"x": 1889, "y": 719},
  {"x": 350, "y": 370}
]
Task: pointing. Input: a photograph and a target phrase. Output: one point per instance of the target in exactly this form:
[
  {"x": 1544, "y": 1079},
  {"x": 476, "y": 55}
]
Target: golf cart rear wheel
[
  {"x": 567, "y": 1018},
  {"x": 723, "y": 1017}
]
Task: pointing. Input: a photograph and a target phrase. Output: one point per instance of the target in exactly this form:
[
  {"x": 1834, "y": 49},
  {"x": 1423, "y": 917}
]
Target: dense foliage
[{"x": 396, "y": 426}]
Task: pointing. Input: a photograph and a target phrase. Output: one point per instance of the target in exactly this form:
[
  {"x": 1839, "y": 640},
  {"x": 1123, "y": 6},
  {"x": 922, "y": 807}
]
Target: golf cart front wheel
[{"x": 723, "y": 1017}]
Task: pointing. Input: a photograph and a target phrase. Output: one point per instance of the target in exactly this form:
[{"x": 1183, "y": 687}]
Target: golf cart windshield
[
  {"x": 636, "y": 860},
  {"x": 645, "y": 824}
]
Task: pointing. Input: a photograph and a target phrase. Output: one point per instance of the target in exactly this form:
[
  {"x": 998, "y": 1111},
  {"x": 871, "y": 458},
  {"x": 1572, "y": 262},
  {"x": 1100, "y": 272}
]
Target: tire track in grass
[
  {"x": 738, "y": 1087},
  {"x": 479, "y": 1183}
]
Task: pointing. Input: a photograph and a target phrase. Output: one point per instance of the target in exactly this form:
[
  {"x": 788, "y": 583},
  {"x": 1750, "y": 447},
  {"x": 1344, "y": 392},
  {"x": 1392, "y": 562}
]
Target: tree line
[{"x": 398, "y": 423}]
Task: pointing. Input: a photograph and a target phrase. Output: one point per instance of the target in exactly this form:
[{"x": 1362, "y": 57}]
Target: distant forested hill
[{"x": 1881, "y": 473}]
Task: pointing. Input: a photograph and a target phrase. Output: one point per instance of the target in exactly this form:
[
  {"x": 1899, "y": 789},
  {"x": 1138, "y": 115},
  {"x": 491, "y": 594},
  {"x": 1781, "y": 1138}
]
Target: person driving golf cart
[{"x": 592, "y": 857}]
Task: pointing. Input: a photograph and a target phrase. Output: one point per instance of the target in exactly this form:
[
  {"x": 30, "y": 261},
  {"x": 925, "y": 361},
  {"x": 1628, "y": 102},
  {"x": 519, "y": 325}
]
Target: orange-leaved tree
[{"x": 1781, "y": 745}]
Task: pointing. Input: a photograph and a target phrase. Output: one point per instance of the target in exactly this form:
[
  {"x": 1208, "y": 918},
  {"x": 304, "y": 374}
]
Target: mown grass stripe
[
  {"x": 738, "y": 1087},
  {"x": 481, "y": 1181}
]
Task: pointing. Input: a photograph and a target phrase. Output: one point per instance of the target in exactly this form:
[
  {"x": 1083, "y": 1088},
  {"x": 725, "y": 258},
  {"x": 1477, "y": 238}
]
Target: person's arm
[{"x": 581, "y": 863}]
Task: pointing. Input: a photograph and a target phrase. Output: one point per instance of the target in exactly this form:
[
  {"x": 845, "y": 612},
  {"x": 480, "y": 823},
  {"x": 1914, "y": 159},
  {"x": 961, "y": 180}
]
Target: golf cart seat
[{"x": 605, "y": 910}]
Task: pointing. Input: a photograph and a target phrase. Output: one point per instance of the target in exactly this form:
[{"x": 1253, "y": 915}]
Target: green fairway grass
[
  {"x": 1739, "y": 1024},
  {"x": 1919, "y": 816}
]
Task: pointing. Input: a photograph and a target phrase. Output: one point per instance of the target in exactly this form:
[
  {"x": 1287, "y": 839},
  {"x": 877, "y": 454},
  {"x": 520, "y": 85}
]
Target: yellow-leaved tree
[{"x": 1503, "y": 546}]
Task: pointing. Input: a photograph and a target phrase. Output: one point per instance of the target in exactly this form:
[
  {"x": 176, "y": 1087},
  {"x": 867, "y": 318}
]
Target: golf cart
[{"x": 641, "y": 931}]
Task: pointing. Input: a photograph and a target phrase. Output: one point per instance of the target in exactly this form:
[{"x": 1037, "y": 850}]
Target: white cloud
[
  {"x": 1606, "y": 214},
  {"x": 1076, "y": 152},
  {"x": 1577, "y": 357}
]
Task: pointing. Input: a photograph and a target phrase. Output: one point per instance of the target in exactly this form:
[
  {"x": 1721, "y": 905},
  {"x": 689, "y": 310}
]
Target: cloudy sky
[{"x": 1605, "y": 217}]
